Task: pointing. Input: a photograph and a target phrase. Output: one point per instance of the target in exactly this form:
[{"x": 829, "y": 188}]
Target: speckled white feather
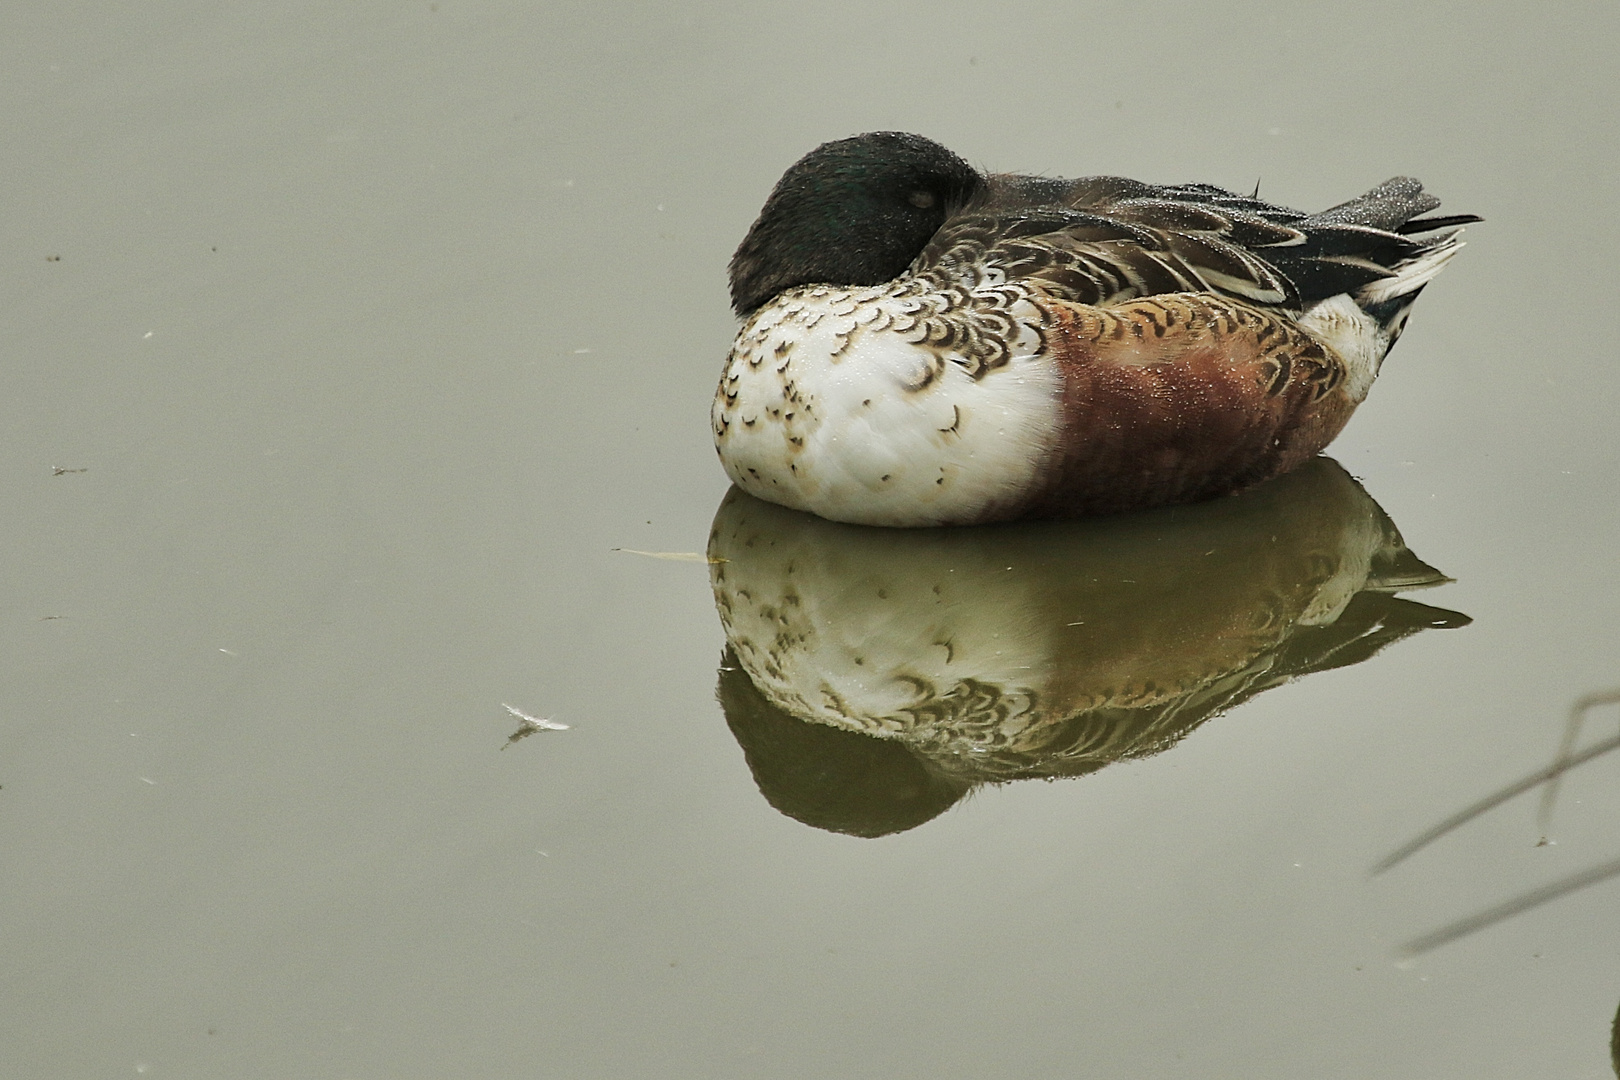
[
  {"x": 1352, "y": 333},
  {"x": 827, "y": 405},
  {"x": 1340, "y": 323}
]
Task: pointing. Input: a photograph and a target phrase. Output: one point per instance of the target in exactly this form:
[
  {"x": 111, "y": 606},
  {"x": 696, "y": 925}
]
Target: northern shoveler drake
[{"x": 925, "y": 344}]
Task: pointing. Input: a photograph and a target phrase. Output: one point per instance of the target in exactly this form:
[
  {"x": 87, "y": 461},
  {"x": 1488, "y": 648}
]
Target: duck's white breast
[{"x": 875, "y": 406}]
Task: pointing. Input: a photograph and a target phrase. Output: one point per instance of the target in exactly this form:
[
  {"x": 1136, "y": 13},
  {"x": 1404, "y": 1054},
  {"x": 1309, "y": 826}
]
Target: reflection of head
[
  {"x": 1053, "y": 649},
  {"x": 835, "y": 780}
]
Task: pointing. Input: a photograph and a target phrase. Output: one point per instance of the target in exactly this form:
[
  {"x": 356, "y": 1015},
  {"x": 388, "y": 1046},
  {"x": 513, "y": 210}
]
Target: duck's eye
[{"x": 922, "y": 200}]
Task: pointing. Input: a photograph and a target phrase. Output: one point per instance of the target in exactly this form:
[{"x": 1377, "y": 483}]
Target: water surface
[{"x": 352, "y": 353}]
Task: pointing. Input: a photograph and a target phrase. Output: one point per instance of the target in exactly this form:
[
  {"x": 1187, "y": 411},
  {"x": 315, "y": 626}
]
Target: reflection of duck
[
  {"x": 928, "y": 345},
  {"x": 1039, "y": 650}
]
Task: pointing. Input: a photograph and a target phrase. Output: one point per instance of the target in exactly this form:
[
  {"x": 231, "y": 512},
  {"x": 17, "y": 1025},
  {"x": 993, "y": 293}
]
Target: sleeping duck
[{"x": 925, "y": 344}]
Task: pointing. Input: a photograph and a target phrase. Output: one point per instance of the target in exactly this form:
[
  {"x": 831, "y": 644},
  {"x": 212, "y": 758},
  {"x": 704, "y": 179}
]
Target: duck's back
[{"x": 1106, "y": 239}]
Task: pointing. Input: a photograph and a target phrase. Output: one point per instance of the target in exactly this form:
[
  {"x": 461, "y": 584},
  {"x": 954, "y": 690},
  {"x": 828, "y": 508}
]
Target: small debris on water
[
  {"x": 528, "y": 725},
  {"x": 671, "y": 556}
]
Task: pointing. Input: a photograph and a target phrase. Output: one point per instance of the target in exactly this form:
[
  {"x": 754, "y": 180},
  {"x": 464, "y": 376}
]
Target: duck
[{"x": 926, "y": 344}]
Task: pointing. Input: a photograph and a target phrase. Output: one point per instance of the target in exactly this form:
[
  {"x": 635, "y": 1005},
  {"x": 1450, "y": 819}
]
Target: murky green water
[{"x": 353, "y": 357}]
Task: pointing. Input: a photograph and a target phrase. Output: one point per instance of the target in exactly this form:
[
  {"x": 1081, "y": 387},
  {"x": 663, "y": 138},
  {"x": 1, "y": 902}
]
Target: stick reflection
[{"x": 1563, "y": 762}]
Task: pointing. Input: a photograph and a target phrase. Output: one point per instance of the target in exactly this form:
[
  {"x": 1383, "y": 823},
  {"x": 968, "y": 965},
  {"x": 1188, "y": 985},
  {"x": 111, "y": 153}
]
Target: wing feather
[{"x": 1108, "y": 239}]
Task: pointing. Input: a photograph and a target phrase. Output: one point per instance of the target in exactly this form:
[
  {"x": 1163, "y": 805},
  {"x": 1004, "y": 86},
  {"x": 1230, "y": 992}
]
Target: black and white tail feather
[{"x": 1393, "y": 209}]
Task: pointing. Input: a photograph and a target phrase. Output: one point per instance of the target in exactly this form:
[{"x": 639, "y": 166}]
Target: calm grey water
[{"x": 351, "y": 351}]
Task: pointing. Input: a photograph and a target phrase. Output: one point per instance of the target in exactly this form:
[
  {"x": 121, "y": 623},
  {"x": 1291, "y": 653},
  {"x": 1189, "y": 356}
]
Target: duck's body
[{"x": 926, "y": 345}]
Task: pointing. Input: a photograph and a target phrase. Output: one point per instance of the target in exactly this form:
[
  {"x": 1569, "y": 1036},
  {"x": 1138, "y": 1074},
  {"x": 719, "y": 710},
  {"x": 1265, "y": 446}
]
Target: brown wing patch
[
  {"x": 1184, "y": 396},
  {"x": 1173, "y": 328}
]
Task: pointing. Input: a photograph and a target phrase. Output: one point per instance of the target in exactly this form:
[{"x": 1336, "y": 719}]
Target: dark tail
[{"x": 1377, "y": 247}]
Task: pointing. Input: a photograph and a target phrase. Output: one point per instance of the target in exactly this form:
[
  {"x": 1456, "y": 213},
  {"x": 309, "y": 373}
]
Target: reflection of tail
[
  {"x": 1371, "y": 622},
  {"x": 1396, "y": 569}
]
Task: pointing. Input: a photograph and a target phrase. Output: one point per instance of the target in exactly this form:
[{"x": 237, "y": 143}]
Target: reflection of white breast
[
  {"x": 917, "y": 651},
  {"x": 858, "y": 405}
]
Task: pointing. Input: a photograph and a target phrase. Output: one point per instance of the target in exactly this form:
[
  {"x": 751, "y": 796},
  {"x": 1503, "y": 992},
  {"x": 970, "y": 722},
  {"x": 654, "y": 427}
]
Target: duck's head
[{"x": 852, "y": 212}]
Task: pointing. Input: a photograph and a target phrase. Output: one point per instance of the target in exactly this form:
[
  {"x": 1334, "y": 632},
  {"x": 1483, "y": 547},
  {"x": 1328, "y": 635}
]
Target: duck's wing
[
  {"x": 1105, "y": 258},
  {"x": 1105, "y": 240}
]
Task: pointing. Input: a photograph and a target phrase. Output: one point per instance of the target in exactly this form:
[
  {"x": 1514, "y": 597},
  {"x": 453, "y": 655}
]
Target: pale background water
[{"x": 376, "y": 327}]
